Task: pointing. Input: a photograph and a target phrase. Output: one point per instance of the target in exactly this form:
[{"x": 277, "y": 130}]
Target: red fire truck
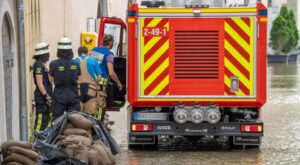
[{"x": 196, "y": 71}]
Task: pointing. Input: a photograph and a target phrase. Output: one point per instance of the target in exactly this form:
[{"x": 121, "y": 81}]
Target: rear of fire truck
[{"x": 196, "y": 71}]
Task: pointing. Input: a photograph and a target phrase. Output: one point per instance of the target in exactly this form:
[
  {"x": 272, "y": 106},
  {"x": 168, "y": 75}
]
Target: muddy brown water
[{"x": 280, "y": 144}]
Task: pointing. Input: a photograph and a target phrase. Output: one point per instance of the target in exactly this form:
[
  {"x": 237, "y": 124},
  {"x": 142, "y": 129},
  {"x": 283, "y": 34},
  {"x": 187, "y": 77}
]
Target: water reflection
[
  {"x": 280, "y": 144},
  {"x": 283, "y": 76}
]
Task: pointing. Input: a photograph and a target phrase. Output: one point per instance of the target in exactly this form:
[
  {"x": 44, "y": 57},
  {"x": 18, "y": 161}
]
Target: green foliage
[{"x": 284, "y": 32}]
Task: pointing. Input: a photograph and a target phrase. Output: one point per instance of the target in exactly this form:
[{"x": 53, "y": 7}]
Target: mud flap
[
  {"x": 247, "y": 140},
  {"x": 141, "y": 139}
]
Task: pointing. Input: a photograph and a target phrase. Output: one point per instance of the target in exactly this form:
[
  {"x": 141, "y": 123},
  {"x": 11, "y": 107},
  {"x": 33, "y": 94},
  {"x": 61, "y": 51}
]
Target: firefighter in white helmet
[
  {"x": 64, "y": 73},
  {"x": 43, "y": 91}
]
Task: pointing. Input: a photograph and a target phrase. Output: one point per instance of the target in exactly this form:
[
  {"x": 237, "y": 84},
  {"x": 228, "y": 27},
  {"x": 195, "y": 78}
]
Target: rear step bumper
[{"x": 203, "y": 129}]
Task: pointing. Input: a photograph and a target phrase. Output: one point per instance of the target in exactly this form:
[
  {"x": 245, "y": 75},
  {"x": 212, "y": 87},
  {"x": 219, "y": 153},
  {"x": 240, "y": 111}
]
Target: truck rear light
[
  {"x": 181, "y": 115},
  {"x": 197, "y": 115},
  {"x": 213, "y": 114},
  {"x": 251, "y": 128},
  {"x": 141, "y": 127}
]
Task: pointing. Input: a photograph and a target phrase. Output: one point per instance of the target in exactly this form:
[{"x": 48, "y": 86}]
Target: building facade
[
  {"x": 9, "y": 63},
  {"x": 9, "y": 83}
]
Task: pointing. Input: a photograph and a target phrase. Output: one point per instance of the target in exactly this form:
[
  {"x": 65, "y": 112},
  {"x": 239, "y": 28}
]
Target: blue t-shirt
[
  {"x": 92, "y": 66},
  {"x": 101, "y": 55}
]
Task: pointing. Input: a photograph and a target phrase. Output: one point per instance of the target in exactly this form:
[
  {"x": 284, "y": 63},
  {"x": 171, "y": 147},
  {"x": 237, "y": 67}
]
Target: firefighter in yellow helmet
[{"x": 43, "y": 91}]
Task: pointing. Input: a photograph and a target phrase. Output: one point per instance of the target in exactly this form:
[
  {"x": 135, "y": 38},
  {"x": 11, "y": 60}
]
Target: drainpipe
[
  {"x": 102, "y": 9},
  {"x": 22, "y": 71}
]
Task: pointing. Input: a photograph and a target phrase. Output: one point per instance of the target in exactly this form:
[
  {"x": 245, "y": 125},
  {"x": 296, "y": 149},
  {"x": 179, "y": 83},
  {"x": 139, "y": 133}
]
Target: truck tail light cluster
[
  {"x": 141, "y": 127},
  {"x": 181, "y": 115},
  {"x": 253, "y": 128}
]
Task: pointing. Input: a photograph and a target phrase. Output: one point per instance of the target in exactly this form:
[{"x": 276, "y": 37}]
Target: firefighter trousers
[
  {"x": 102, "y": 100},
  {"x": 64, "y": 100},
  {"x": 42, "y": 118}
]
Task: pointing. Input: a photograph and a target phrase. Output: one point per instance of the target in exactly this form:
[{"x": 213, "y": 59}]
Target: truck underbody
[{"x": 241, "y": 126}]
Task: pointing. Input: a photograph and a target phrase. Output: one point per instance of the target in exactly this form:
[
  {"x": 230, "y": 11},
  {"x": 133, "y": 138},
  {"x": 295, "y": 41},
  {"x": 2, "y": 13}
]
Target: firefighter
[
  {"x": 105, "y": 58},
  {"x": 43, "y": 91},
  {"x": 64, "y": 73},
  {"x": 90, "y": 75}
]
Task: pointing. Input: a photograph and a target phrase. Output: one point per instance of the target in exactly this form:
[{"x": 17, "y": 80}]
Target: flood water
[{"x": 280, "y": 144}]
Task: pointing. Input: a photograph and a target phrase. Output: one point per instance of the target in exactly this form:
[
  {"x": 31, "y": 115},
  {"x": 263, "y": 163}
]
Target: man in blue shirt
[
  {"x": 88, "y": 82},
  {"x": 105, "y": 59}
]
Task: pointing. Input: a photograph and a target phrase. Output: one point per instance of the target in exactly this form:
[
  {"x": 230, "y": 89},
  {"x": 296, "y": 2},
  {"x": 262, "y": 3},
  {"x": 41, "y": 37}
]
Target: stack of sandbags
[
  {"x": 77, "y": 141},
  {"x": 19, "y": 153}
]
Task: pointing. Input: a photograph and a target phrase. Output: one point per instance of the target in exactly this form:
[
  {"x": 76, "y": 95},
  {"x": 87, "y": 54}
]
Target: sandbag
[
  {"x": 19, "y": 158},
  {"x": 75, "y": 139},
  {"x": 69, "y": 125},
  {"x": 90, "y": 134},
  {"x": 11, "y": 143},
  {"x": 102, "y": 154},
  {"x": 81, "y": 153},
  {"x": 80, "y": 121},
  {"x": 13, "y": 163},
  {"x": 99, "y": 144},
  {"x": 69, "y": 149},
  {"x": 28, "y": 153},
  {"x": 96, "y": 158},
  {"x": 108, "y": 140},
  {"x": 103, "y": 158},
  {"x": 76, "y": 131}
]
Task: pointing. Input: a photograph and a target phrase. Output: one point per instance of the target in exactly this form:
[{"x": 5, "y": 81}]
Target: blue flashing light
[
  {"x": 131, "y": 13},
  {"x": 135, "y": 116},
  {"x": 263, "y": 12}
]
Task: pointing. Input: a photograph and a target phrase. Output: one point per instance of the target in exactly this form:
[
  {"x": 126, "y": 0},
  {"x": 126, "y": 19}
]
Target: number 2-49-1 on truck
[{"x": 196, "y": 71}]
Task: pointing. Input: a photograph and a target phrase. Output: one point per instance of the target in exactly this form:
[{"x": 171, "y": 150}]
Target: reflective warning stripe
[
  {"x": 203, "y": 10},
  {"x": 50, "y": 120},
  {"x": 130, "y": 20},
  {"x": 39, "y": 123},
  {"x": 154, "y": 59},
  {"x": 239, "y": 54},
  {"x": 103, "y": 81},
  {"x": 264, "y": 19},
  {"x": 100, "y": 113}
]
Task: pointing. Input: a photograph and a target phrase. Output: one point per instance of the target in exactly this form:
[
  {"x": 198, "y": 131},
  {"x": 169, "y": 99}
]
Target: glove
[{"x": 48, "y": 99}]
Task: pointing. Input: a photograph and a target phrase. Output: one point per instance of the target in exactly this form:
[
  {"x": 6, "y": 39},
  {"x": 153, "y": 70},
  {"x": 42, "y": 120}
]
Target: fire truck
[{"x": 196, "y": 71}]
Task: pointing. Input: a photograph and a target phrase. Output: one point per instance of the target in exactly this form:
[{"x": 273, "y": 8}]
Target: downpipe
[{"x": 22, "y": 71}]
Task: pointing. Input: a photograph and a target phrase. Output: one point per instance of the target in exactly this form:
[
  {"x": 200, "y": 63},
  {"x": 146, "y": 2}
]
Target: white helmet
[
  {"x": 64, "y": 43},
  {"x": 41, "y": 48}
]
